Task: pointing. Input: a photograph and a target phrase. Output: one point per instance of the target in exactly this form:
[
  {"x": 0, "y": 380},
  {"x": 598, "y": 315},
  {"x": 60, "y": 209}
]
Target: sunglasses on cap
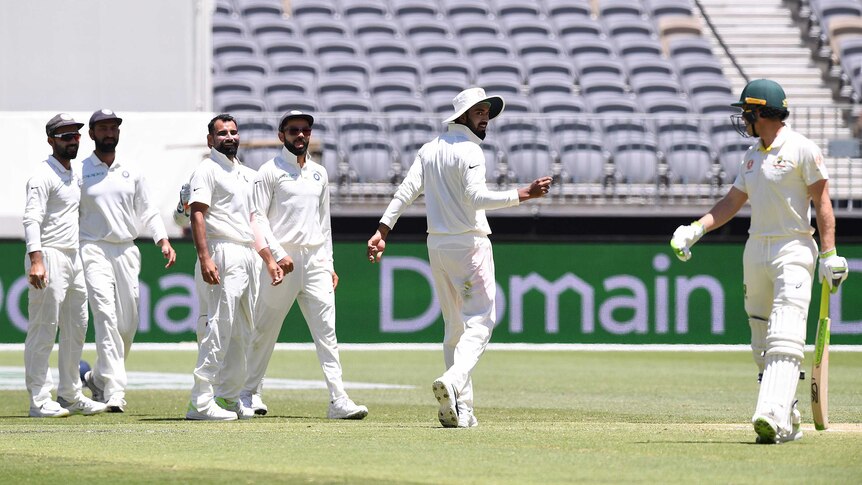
[{"x": 67, "y": 136}]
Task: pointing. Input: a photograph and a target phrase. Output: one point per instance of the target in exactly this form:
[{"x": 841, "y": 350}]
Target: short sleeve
[
  {"x": 201, "y": 186},
  {"x": 812, "y": 164}
]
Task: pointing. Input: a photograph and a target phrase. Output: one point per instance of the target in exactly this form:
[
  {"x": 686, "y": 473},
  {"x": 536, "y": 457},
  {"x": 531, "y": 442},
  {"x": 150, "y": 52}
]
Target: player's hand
[
  {"x": 38, "y": 276},
  {"x": 168, "y": 252},
  {"x": 334, "y": 281},
  {"x": 286, "y": 264},
  {"x": 275, "y": 272},
  {"x": 538, "y": 188},
  {"x": 833, "y": 269},
  {"x": 376, "y": 246},
  {"x": 684, "y": 238},
  {"x": 209, "y": 272}
]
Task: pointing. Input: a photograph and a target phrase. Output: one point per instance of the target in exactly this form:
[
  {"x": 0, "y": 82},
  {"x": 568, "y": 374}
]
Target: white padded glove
[
  {"x": 833, "y": 269},
  {"x": 181, "y": 215},
  {"x": 684, "y": 238}
]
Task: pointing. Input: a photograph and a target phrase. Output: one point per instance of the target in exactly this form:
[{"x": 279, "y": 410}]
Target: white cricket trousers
[
  {"x": 778, "y": 274},
  {"x": 309, "y": 284},
  {"x": 463, "y": 270},
  {"x": 221, "y": 365},
  {"x": 112, "y": 271},
  {"x": 62, "y": 304}
]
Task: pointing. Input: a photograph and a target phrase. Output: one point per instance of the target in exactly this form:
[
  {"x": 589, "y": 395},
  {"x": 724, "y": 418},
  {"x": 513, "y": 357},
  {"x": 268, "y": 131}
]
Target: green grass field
[{"x": 545, "y": 417}]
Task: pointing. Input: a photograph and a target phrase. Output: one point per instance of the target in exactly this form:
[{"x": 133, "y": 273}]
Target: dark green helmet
[{"x": 763, "y": 92}]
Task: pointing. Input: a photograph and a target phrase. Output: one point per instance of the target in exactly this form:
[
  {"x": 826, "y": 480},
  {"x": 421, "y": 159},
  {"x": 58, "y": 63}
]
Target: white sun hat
[{"x": 469, "y": 97}]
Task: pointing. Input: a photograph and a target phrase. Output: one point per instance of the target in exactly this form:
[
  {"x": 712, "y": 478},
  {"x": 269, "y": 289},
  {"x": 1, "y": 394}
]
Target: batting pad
[
  {"x": 785, "y": 340},
  {"x": 786, "y": 332},
  {"x": 758, "y": 341}
]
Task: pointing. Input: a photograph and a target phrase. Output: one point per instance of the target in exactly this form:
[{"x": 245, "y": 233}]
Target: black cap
[
  {"x": 59, "y": 121},
  {"x": 104, "y": 115},
  {"x": 295, "y": 114}
]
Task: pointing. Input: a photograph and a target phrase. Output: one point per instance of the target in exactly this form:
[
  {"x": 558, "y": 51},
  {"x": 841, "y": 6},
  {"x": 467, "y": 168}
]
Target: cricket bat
[{"x": 820, "y": 371}]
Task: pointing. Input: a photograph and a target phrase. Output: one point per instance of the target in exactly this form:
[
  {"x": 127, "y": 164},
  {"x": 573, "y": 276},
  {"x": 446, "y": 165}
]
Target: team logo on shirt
[
  {"x": 749, "y": 165},
  {"x": 126, "y": 173},
  {"x": 317, "y": 176},
  {"x": 779, "y": 162}
]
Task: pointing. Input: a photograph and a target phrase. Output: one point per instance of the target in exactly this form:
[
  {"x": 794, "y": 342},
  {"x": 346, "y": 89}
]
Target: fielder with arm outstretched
[
  {"x": 780, "y": 175},
  {"x": 450, "y": 171}
]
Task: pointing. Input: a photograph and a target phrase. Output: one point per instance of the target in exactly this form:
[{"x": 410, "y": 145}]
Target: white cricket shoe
[
  {"x": 254, "y": 402},
  {"x": 116, "y": 404},
  {"x": 212, "y": 412},
  {"x": 467, "y": 420},
  {"x": 345, "y": 408},
  {"x": 83, "y": 405},
  {"x": 241, "y": 410},
  {"x": 448, "y": 399},
  {"x": 50, "y": 409},
  {"x": 90, "y": 382},
  {"x": 768, "y": 432}
]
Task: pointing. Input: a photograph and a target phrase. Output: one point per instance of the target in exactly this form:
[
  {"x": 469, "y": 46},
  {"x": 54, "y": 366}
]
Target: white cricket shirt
[
  {"x": 225, "y": 186},
  {"x": 776, "y": 179},
  {"x": 51, "y": 210},
  {"x": 113, "y": 200},
  {"x": 291, "y": 204},
  {"x": 450, "y": 170}
]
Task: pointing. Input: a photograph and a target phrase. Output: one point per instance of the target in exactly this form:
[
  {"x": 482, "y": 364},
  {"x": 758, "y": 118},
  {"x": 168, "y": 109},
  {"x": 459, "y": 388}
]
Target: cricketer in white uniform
[
  {"x": 57, "y": 293},
  {"x": 291, "y": 205},
  {"x": 450, "y": 170},
  {"x": 780, "y": 175},
  {"x": 225, "y": 241},
  {"x": 114, "y": 198}
]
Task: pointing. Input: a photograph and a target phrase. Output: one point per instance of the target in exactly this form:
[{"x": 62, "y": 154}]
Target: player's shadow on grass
[{"x": 696, "y": 442}]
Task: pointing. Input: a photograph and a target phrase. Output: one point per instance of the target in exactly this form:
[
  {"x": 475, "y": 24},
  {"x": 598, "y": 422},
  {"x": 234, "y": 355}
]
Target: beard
[
  {"x": 106, "y": 145},
  {"x": 297, "y": 151},
  {"x": 227, "y": 150},
  {"x": 480, "y": 132},
  {"x": 69, "y": 152}
]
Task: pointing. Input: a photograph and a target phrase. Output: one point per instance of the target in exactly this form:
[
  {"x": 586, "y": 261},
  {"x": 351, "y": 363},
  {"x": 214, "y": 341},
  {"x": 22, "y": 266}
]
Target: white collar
[
  {"x": 222, "y": 159},
  {"x": 463, "y": 129}
]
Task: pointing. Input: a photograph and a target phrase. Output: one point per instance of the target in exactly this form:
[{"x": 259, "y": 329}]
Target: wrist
[{"x": 828, "y": 253}]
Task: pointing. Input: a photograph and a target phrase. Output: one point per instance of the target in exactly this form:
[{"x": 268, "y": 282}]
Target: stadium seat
[
  {"x": 284, "y": 84},
  {"x": 383, "y": 87},
  {"x": 257, "y": 129},
  {"x": 528, "y": 48},
  {"x": 227, "y": 27},
  {"x": 301, "y": 69},
  {"x": 488, "y": 48},
  {"x": 560, "y": 104},
  {"x": 573, "y": 29},
  {"x": 364, "y": 9},
  {"x": 730, "y": 157},
  {"x": 275, "y": 46},
  {"x": 365, "y": 28},
  {"x": 372, "y": 160},
  {"x": 234, "y": 84},
  {"x": 527, "y": 28},
  {"x": 313, "y": 9},
  {"x": 260, "y": 8},
  {"x": 500, "y": 68},
  {"x": 407, "y": 69},
  {"x": 583, "y": 160},
  {"x": 689, "y": 162},
  {"x": 661, "y": 8},
  {"x": 339, "y": 85},
  {"x": 346, "y": 69},
  {"x": 249, "y": 67},
  {"x": 515, "y": 8},
  {"x": 329, "y": 154},
  {"x": 517, "y": 103},
  {"x": 544, "y": 68},
  {"x": 470, "y": 29},
  {"x": 582, "y": 50},
  {"x": 346, "y": 104},
  {"x": 636, "y": 162},
  {"x": 428, "y": 49},
  {"x": 565, "y": 11},
  {"x": 476, "y": 9},
  {"x": 550, "y": 87},
  {"x": 458, "y": 69},
  {"x": 530, "y": 158},
  {"x": 620, "y": 8},
  {"x": 334, "y": 48},
  {"x": 224, "y": 7},
  {"x": 271, "y": 29},
  {"x": 255, "y": 157},
  {"x": 383, "y": 48},
  {"x": 281, "y": 102},
  {"x": 232, "y": 47},
  {"x": 232, "y": 102},
  {"x": 316, "y": 29},
  {"x": 404, "y": 9},
  {"x": 416, "y": 28}
]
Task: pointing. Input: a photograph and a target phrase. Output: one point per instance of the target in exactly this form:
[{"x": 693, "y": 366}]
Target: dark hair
[
  {"x": 779, "y": 114},
  {"x": 221, "y": 117}
]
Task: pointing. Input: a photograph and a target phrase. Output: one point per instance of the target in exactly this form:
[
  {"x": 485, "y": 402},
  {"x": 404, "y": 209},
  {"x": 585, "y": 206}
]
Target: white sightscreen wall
[
  {"x": 127, "y": 55},
  {"x": 165, "y": 146}
]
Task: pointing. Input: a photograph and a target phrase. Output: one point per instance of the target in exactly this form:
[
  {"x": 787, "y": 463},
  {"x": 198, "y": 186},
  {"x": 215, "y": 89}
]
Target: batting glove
[
  {"x": 684, "y": 238},
  {"x": 833, "y": 269}
]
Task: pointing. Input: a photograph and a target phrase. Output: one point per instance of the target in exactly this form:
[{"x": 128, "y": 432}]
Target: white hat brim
[{"x": 497, "y": 107}]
